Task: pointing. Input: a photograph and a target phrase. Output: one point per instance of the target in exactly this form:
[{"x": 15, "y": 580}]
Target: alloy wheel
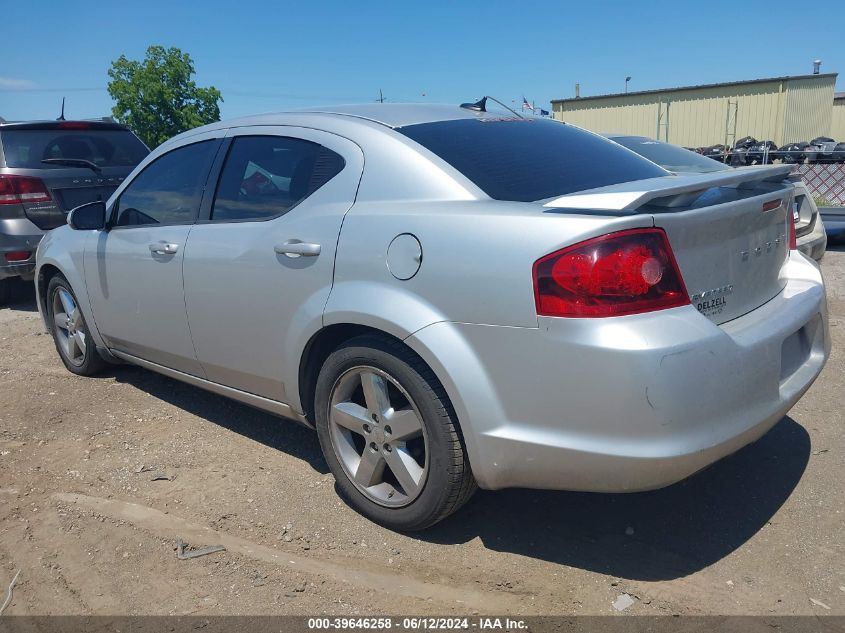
[
  {"x": 378, "y": 436},
  {"x": 69, "y": 327}
]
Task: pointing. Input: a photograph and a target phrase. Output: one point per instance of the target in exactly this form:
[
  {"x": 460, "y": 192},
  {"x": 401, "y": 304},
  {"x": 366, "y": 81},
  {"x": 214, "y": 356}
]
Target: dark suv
[{"x": 46, "y": 169}]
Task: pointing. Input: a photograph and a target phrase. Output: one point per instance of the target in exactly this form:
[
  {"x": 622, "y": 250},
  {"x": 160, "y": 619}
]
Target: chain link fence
[
  {"x": 822, "y": 171},
  {"x": 826, "y": 183}
]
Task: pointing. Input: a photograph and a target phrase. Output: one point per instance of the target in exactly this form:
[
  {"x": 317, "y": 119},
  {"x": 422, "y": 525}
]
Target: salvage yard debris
[
  {"x": 9, "y": 593},
  {"x": 181, "y": 554},
  {"x": 623, "y": 602}
]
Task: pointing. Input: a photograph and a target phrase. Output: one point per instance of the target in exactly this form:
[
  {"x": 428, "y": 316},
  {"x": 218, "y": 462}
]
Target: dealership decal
[{"x": 713, "y": 301}]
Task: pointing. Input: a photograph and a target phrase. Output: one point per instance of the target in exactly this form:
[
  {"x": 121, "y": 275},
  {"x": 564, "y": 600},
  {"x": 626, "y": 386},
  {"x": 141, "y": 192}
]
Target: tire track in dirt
[{"x": 354, "y": 572}]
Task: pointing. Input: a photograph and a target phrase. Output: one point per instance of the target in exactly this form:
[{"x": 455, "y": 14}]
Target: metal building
[
  {"x": 837, "y": 123},
  {"x": 781, "y": 109}
]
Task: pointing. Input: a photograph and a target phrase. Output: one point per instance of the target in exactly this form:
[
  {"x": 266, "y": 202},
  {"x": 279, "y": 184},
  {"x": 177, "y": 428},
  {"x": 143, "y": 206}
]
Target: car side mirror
[{"x": 88, "y": 217}]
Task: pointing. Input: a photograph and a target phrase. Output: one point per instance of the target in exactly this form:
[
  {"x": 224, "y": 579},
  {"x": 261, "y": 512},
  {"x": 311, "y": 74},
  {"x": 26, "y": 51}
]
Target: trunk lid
[
  {"x": 731, "y": 253},
  {"x": 728, "y": 231}
]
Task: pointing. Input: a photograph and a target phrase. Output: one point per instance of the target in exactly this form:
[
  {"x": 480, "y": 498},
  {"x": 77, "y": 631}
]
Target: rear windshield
[
  {"x": 668, "y": 156},
  {"x": 529, "y": 159},
  {"x": 104, "y": 148}
]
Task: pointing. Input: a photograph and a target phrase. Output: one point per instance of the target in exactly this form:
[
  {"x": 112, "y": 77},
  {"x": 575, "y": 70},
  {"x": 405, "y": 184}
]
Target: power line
[
  {"x": 280, "y": 95},
  {"x": 25, "y": 90}
]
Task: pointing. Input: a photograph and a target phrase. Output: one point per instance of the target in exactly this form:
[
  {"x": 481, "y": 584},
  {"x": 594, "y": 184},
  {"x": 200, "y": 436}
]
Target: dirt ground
[{"x": 100, "y": 477}]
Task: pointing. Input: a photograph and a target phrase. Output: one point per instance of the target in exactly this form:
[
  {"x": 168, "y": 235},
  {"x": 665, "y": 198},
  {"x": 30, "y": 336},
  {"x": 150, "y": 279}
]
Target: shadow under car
[{"x": 657, "y": 535}]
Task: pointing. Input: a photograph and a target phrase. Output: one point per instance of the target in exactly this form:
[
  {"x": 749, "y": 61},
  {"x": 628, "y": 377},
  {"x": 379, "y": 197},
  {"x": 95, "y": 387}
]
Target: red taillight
[
  {"x": 620, "y": 273},
  {"x": 18, "y": 256},
  {"x": 793, "y": 243},
  {"x": 20, "y": 189}
]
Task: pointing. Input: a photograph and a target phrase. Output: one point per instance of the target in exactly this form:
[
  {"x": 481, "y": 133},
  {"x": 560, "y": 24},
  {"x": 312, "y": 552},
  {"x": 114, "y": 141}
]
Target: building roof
[
  {"x": 839, "y": 96},
  {"x": 697, "y": 87}
]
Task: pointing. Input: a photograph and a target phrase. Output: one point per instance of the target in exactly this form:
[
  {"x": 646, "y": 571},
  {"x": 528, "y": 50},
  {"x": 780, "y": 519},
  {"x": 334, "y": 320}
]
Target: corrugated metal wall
[
  {"x": 809, "y": 109},
  {"x": 837, "y": 120},
  {"x": 697, "y": 117},
  {"x": 628, "y": 116}
]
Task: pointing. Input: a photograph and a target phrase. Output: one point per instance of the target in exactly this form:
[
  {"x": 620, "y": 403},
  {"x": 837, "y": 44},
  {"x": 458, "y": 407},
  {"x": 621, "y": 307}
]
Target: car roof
[
  {"x": 400, "y": 114},
  {"x": 393, "y": 115}
]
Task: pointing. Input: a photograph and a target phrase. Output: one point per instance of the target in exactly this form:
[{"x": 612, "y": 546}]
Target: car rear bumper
[
  {"x": 25, "y": 270},
  {"x": 17, "y": 235},
  {"x": 627, "y": 403}
]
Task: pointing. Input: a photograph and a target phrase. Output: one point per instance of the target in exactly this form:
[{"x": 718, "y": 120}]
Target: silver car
[
  {"x": 809, "y": 228},
  {"x": 452, "y": 297}
]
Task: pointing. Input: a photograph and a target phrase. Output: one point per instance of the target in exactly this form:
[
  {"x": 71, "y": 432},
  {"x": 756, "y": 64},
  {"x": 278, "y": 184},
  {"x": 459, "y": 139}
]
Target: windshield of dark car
[
  {"x": 105, "y": 148},
  {"x": 529, "y": 159},
  {"x": 668, "y": 156}
]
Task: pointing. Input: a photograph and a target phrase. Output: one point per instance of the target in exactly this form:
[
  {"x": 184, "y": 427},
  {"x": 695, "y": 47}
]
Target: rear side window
[
  {"x": 168, "y": 190},
  {"x": 265, "y": 176},
  {"x": 104, "y": 148},
  {"x": 669, "y": 156},
  {"x": 529, "y": 159}
]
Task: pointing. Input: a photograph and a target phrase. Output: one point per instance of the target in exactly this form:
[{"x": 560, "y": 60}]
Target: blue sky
[{"x": 267, "y": 56}]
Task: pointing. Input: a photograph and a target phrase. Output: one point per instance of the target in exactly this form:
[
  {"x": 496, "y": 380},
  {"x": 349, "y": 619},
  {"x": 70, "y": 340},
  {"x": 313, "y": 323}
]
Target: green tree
[{"x": 157, "y": 97}]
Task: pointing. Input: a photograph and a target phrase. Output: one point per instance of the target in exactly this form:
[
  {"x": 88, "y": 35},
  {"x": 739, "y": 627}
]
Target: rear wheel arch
[
  {"x": 321, "y": 345},
  {"x": 318, "y": 349},
  {"x": 327, "y": 340}
]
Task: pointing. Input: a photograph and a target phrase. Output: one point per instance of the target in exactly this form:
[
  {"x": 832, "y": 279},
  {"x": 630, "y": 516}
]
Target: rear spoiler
[
  {"x": 104, "y": 123},
  {"x": 668, "y": 191}
]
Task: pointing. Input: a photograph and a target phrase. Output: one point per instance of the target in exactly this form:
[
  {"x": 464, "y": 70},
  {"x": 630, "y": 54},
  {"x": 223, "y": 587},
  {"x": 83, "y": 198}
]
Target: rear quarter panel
[
  {"x": 476, "y": 267},
  {"x": 477, "y": 260}
]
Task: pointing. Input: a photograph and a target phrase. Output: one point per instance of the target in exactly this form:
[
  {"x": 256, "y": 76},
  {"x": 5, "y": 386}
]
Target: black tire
[
  {"x": 5, "y": 291},
  {"x": 449, "y": 482},
  {"x": 91, "y": 363}
]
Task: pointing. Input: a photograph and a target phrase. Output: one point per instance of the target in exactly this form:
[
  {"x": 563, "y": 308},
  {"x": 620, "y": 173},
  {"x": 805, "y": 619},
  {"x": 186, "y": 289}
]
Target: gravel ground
[{"x": 100, "y": 477}]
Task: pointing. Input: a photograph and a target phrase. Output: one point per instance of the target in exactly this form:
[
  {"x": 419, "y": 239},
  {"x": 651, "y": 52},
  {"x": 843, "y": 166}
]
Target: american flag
[{"x": 526, "y": 105}]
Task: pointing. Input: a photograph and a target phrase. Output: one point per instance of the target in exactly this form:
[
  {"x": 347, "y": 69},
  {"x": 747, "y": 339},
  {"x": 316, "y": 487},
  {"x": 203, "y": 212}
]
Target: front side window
[
  {"x": 265, "y": 176},
  {"x": 169, "y": 190}
]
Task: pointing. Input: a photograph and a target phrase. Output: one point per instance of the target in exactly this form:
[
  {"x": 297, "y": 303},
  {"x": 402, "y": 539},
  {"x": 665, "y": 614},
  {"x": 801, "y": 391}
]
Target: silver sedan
[{"x": 451, "y": 297}]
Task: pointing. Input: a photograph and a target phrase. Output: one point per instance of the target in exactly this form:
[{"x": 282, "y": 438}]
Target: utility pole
[{"x": 380, "y": 96}]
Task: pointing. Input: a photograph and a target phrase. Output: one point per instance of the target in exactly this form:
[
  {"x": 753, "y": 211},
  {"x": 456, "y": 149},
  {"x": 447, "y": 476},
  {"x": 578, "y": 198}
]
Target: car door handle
[
  {"x": 295, "y": 248},
  {"x": 163, "y": 248}
]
